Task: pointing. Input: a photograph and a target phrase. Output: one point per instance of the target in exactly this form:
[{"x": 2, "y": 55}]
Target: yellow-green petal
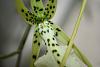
[
  {"x": 24, "y": 12},
  {"x": 37, "y": 7},
  {"x": 50, "y": 8},
  {"x": 35, "y": 47}
]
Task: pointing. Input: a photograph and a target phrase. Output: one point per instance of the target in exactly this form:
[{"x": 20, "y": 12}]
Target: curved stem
[
  {"x": 21, "y": 46},
  {"x": 8, "y": 55},
  {"x": 68, "y": 50}
]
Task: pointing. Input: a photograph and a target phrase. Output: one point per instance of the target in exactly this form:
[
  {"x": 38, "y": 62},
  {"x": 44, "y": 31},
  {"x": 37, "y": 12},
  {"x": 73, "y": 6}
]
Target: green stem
[
  {"x": 21, "y": 46},
  {"x": 8, "y": 55},
  {"x": 68, "y": 50},
  {"x": 81, "y": 56}
]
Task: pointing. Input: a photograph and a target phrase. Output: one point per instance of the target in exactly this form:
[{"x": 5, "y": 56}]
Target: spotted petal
[
  {"x": 48, "y": 60},
  {"x": 37, "y": 7},
  {"x": 36, "y": 47},
  {"x": 24, "y": 12},
  {"x": 50, "y": 8},
  {"x": 47, "y": 33},
  {"x": 50, "y": 41}
]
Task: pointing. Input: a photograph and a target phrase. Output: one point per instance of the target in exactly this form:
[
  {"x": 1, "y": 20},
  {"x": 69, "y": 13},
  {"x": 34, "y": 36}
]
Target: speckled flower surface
[{"x": 48, "y": 34}]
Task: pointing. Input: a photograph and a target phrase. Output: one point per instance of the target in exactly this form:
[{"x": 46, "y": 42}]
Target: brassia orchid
[{"x": 52, "y": 36}]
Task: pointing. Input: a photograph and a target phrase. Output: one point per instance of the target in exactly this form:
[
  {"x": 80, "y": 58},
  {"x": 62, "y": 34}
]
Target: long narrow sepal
[
  {"x": 50, "y": 8},
  {"x": 24, "y": 12},
  {"x": 36, "y": 47},
  {"x": 37, "y": 7}
]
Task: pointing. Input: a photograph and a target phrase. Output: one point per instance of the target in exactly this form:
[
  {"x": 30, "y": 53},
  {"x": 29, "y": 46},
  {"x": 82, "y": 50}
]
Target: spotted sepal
[
  {"x": 24, "y": 12},
  {"x": 50, "y": 8},
  {"x": 37, "y": 7},
  {"x": 35, "y": 47}
]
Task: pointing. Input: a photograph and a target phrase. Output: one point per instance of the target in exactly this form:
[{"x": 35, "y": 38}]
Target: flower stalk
[{"x": 68, "y": 50}]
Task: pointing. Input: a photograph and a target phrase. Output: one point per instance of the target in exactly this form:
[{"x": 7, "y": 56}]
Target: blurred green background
[{"x": 12, "y": 28}]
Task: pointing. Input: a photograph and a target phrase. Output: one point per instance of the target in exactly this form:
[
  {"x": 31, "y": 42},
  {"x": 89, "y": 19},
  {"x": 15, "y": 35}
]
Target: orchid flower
[{"x": 50, "y": 35}]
